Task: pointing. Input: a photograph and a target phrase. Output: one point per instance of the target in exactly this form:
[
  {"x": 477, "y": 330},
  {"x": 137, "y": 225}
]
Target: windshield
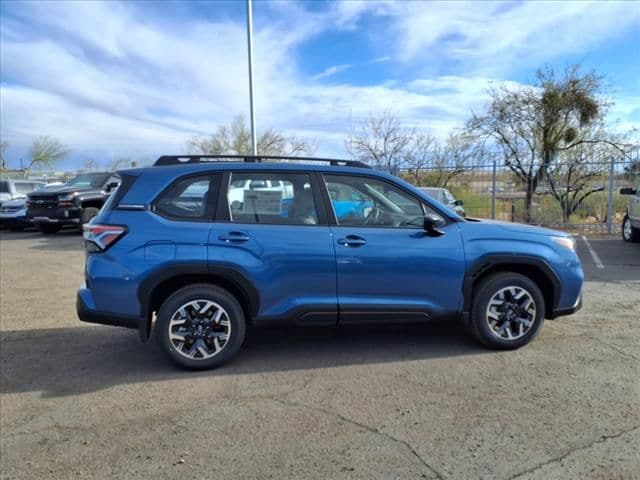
[
  {"x": 93, "y": 180},
  {"x": 432, "y": 192}
]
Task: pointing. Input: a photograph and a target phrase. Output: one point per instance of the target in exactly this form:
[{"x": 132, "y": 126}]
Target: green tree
[{"x": 235, "y": 139}]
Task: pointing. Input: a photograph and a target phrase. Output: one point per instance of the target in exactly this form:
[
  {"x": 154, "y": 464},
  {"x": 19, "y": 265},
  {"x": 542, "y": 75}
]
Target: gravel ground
[{"x": 82, "y": 401}]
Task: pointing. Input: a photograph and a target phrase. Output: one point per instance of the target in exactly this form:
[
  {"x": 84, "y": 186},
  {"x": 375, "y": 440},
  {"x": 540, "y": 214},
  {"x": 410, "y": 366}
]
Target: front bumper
[
  {"x": 85, "y": 308},
  {"x": 559, "y": 312},
  {"x": 18, "y": 219},
  {"x": 56, "y": 215}
]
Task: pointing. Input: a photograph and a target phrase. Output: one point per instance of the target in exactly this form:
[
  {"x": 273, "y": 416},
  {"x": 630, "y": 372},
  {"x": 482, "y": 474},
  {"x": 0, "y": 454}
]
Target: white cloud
[
  {"x": 108, "y": 75},
  {"x": 330, "y": 71}
]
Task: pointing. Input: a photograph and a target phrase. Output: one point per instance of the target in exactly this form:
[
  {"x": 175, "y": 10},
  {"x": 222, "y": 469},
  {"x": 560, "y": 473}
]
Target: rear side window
[
  {"x": 4, "y": 187},
  {"x": 273, "y": 198},
  {"x": 189, "y": 198}
]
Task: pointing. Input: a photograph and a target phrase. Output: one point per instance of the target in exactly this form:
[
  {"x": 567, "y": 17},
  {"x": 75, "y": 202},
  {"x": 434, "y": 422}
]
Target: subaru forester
[{"x": 197, "y": 248}]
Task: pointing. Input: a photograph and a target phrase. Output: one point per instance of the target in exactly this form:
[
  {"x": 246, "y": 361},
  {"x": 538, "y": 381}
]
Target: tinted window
[
  {"x": 186, "y": 199},
  {"x": 89, "y": 180},
  {"x": 371, "y": 202},
  {"x": 4, "y": 187},
  {"x": 272, "y": 198}
]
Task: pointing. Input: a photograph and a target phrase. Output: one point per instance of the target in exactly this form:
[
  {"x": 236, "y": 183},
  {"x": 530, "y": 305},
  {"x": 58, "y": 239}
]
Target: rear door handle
[
  {"x": 234, "y": 237},
  {"x": 352, "y": 241}
]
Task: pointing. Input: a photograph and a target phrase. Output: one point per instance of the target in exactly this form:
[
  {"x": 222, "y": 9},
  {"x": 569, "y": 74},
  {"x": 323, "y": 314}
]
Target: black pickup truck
[{"x": 74, "y": 203}]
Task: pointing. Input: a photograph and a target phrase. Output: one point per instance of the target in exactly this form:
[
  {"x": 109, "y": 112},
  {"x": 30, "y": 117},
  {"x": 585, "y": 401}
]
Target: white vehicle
[
  {"x": 11, "y": 189},
  {"x": 13, "y": 213},
  {"x": 238, "y": 189}
]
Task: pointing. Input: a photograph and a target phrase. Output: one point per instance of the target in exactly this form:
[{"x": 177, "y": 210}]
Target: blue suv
[{"x": 200, "y": 247}]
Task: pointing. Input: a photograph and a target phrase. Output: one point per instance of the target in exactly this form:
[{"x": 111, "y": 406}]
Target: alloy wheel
[
  {"x": 511, "y": 313},
  {"x": 199, "y": 329},
  {"x": 626, "y": 229}
]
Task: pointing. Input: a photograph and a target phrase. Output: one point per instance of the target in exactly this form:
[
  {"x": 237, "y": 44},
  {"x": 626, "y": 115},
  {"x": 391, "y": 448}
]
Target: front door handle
[
  {"x": 234, "y": 237},
  {"x": 352, "y": 241}
]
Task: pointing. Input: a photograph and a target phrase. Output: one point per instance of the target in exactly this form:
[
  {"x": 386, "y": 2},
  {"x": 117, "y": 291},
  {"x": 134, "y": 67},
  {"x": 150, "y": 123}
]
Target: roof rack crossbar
[{"x": 190, "y": 159}]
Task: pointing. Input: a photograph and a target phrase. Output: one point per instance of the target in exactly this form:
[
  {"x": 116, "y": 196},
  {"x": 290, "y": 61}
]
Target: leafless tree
[
  {"x": 532, "y": 125},
  {"x": 381, "y": 141},
  {"x": 45, "y": 152},
  {"x": 4, "y": 146},
  {"x": 454, "y": 156},
  {"x": 235, "y": 139}
]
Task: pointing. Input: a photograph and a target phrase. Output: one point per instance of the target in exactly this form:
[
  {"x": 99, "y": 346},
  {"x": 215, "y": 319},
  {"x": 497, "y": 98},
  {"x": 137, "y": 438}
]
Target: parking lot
[{"x": 83, "y": 401}]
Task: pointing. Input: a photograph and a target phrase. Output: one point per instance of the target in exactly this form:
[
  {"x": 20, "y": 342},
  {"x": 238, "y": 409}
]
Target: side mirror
[
  {"x": 458, "y": 203},
  {"x": 627, "y": 191},
  {"x": 432, "y": 224},
  {"x": 112, "y": 185}
]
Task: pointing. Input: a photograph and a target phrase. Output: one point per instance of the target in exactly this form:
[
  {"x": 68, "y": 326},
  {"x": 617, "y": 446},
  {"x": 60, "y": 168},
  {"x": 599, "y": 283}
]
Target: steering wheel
[{"x": 374, "y": 216}]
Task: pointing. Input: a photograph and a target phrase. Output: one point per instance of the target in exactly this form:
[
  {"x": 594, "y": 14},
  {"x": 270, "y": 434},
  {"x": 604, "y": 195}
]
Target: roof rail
[{"x": 187, "y": 159}]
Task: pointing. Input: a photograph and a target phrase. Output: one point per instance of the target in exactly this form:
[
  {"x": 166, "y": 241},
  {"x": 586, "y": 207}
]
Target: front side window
[
  {"x": 363, "y": 201},
  {"x": 271, "y": 198},
  {"x": 187, "y": 198}
]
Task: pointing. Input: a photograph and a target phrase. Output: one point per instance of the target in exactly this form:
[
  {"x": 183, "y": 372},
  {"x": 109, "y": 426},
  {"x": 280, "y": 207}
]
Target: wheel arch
[
  {"x": 158, "y": 286},
  {"x": 534, "y": 268}
]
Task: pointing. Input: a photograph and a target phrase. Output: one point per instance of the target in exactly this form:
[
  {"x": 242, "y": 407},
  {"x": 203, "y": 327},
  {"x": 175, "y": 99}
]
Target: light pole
[{"x": 254, "y": 146}]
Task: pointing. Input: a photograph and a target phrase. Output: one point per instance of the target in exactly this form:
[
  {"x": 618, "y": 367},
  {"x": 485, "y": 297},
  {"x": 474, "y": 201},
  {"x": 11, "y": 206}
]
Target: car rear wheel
[
  {"x": 507, "y": 311},
  {"x": 200, "y": 326},
  {"x": 629, "y": 232},
  {"x": 49, "y": 229}
]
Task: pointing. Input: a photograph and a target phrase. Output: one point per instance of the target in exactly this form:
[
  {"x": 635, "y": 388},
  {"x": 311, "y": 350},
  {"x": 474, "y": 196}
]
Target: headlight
[
  {"x": 567, "y": 242},
  {"x": 67, "y": 197}
]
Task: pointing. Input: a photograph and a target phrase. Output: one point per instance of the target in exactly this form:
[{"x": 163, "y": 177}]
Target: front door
[
  {"x": 277, "y": 234},
  {"x": 388, "y": 267}
]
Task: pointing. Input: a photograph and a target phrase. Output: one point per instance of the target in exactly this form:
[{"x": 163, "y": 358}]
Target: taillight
[{"x": 99, "y": 238}]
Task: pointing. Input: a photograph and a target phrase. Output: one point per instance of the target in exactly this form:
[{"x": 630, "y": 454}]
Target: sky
[{"x": 139, "y": 79}]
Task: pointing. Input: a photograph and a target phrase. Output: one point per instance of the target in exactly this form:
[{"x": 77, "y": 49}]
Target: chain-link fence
[{"x": 581, "y": 196}]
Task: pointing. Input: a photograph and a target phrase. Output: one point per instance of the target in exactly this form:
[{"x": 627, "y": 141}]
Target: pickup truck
[{"x": 74, "y": 203}]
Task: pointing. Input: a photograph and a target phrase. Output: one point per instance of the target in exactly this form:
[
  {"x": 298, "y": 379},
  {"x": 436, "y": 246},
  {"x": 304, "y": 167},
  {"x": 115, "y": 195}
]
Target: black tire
[
  {"x": 88, "y": 213},
  {"x": 629, "y": 232},
  {"x": 201, "y": 291},
  {"x": 479, "y": 321},
  {"x": 48, "y": 229}
]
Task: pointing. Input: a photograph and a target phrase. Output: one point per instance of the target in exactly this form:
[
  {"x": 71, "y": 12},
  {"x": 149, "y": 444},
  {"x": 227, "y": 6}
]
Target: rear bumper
[{"x": 87, "y": 313}]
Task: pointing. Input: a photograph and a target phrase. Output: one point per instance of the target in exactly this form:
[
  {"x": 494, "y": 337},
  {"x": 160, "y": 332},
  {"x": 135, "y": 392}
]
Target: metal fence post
[
  {"x": 610, "y": 206},
  {"x": 493, "y": 191}
]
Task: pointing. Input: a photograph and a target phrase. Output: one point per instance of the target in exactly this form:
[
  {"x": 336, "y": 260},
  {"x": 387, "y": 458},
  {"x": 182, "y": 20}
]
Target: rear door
[
  {"x": 272, "y": 227},
  {"x": 388, "y": 267}
]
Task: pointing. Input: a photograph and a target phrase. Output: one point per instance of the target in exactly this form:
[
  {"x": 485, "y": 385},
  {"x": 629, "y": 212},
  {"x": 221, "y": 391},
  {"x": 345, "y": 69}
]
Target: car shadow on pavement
[{"x": 75, "y": 360}]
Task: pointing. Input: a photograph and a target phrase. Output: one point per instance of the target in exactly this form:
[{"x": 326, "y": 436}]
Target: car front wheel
[
  {"x": 629, "y": 232},
  {"x": 200, "y": 326},
  {"x": 508, "y": 311}
]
